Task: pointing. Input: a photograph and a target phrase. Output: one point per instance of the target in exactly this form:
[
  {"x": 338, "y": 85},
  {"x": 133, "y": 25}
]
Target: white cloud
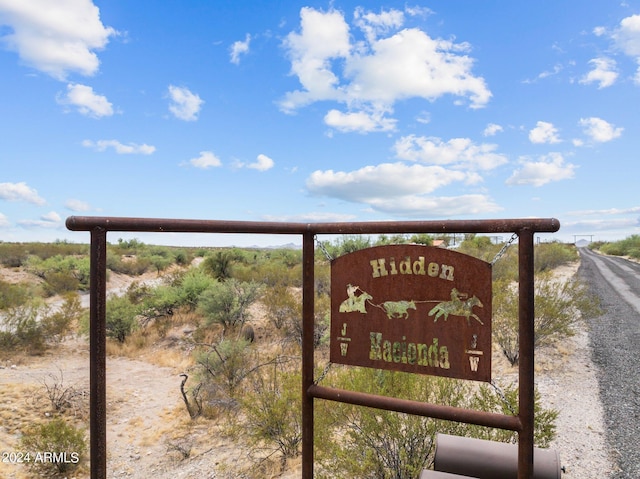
[
  {"x": 4, "y": 221},
  {"x": 207, "y": 159},
  {"x": 20, "y": 192},
  {"x": 48, "y": 220},
  {"x": 55, "y": 37},
  {"x": 120, "y": 148},
  {"x": 492, "y": 129},
  {"x": 262, "y": 163},
  {"x": 323, "y": 37},
  {"x": 77, "y": 205},
  {"x": 459, "y": 152},
  {"x": 360, "y": 122},
  {"x": 86, "y": 101},
  {"x": 604, "y": 72},
  {"x": 239, "y": 48},
  {"x": 400, "y": 189},
  {"x": 442, "y": 206},
  {"x": 627, "y": 38},
  {"x": 184, "y": 104},
  {"x": 375, "y": 24},
  {"x": 609, "y": 211},
  {"x": 412, "y": 64},
  {"x": 627, "y": 35},
  {"x": 544, "y": 132},
  {"x": 374, "y": 73},
  {"x": 538, "y": 173},
  {"x": 387, "y": 180},
  {"x": 599, "y": 130}
]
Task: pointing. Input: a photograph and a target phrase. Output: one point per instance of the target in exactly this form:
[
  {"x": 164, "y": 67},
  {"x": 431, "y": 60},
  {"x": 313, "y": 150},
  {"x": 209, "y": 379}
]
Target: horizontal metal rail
[
  {"x": 417, "y": 408},
  {"x": 163, "y": 225}
]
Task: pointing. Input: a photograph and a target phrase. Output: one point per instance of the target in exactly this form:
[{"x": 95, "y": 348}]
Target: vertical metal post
[
  {"x": 308, "y": 297},
  {"x": 527, "y": 360},
  {"x": 97, "y": 354}
]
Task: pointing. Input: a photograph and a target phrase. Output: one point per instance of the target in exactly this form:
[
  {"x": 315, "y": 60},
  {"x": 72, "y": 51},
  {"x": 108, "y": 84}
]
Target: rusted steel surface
[
  {"x": 308, "y": 362},
  {"x": 527, "y": 359},
  {"x": 412, "y": 308},
  {"x": 436, "y": 411},
  {"x": 525, "y": 228},
  {"x": 97, "y": 353},
  {"x": 160, "y": 225}
]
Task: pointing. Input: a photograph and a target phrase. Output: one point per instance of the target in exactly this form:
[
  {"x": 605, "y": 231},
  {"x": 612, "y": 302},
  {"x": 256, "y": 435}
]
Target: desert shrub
[
  {"x": 60, "y": 282},
  {"x": 190, "y": 286},
  {"x": 63, "y": 397},
  {"x": 120, "y": 318},
  {"x": 21, "y": 329},
  {"x": 13, "y": 255},
  {"x": 479, "y": 247},
  {"x": 160, "y": 263},
  {"x": 129, "y": 265},
  {"x": 384, "y": 444},
  {"x": 282, "y": 305},
  {"x": 61, "y": 269},
  {"x": 422, "y": 238},
  {"x": 12, "y": 295},
  {"x": 490, "y": 399},
  {"x": 220, "y": 264},
  {"x": 322, "y": 279},
  {"x": 346, "y": 244},
  {"x": 58, "y": 324},
  {"x": 222, "y": 367},
  {"x": 613, "y": 249},
  {"x": 383, "y": 239},
  {"x": 558, "y": 306},
  {"x": 159, "y": 302},
  {"x": 272, "y": 408},
  {"x": 58, "y": 437},
  {"x": 270, "y": 273},
  {"x": 227, "y": 302},
  {"x": 548, "y": 256}
]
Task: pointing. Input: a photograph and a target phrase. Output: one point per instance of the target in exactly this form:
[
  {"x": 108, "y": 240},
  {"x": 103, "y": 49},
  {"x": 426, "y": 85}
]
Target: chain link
[
  {"x": 323, "y": 248},
  {"x": 500, "y": 393},
  {"x": 501, "y": 253},
  {"x": 324, "y": 374}
]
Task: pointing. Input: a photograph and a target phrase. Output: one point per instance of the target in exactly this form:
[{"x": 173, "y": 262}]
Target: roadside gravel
[{"x": 614, "y": 340}]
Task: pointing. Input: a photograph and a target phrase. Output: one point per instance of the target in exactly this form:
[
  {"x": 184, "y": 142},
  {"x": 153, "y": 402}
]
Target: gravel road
[{"x": 615, "y": 342}]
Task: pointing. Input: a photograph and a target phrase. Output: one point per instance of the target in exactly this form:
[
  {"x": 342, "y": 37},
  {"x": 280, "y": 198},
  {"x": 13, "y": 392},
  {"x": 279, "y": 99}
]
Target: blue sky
[{"x": 319, "y": 111}]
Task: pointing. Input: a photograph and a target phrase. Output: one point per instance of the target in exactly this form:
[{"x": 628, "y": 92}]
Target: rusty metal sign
[{"x": 412, "y": 308}]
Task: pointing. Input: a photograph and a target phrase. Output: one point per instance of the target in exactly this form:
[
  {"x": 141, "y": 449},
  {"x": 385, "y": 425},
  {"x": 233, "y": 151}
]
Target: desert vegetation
[{"x": 230, "y": 320}]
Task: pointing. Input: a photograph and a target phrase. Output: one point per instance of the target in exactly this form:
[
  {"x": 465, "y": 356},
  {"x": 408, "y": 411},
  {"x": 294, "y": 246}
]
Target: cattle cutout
[{"x": 412, "y": 308}]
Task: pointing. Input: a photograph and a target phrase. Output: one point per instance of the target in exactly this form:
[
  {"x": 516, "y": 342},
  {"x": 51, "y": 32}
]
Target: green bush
[
  {"x": 13, "y": 255},
  {"x": 548, "y": 256},
  {"x": 60, "y": 282},
  {"x": 62, "y": 273},
  {"x": 222, "y": 368},
  {"x": 57, "y": 325},
  {"x": 273, "y": 413},
  {"x": 227, "y": 302},
  {"x": 558, "y": 306},
  {"x": 120, "y": 318},
  {"x": 21, "y": 329},
  {"x": 12, "y": 295},
  {"x": 129, "y": 265},
  {"x": 64, "y": 444}
]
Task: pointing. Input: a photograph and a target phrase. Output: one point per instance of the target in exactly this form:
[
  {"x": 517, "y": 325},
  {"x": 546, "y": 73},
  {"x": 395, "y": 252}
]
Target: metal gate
[{"x": 524, "y": 228}]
